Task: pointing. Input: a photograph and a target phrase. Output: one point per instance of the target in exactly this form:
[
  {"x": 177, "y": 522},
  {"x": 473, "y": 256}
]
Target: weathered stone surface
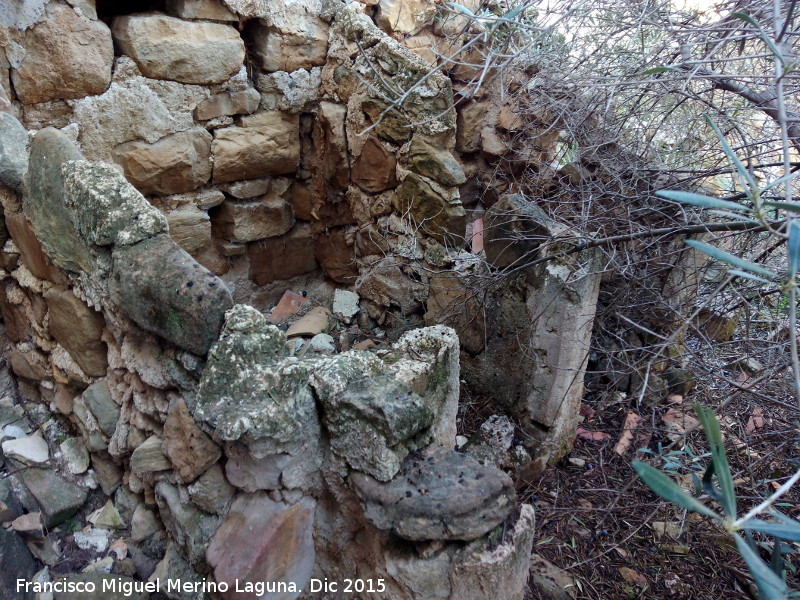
[
  {"x": 250, "y": 188},
  {"x": 291, "y": 38},
  {"x": 75, "y": 454},
  {"x": 107, "y": 587},
  {"x": 56, "y": 498},
  {"x": 212, "y": 492},
  {"x": 515, "y": 228},
  {"x": 30, "y": 249},
  {"x": 282, "y": 257},
  {"x": 167, "y": 292},
  {"x": 78, "y": 329},
  {"x": 393, "y": 126},
  {"x": 374, "y": 424},
  {"x": 268, "y": 144},
  {"x": 470, "y": 122},
  {"x": 434, "y": 214},
  {"x": 189, "y": 450},
  {"x": 26, "y": 361},
  {"x": 550, "y": 580},
  {"x": 169, "y": 48},
  {"x": 375, "y": 169},
  {"x": 45, "y": 203},
  {"x": 211, "y": 10},
  {"x": 262, "y": 540},
  {"x": 29, "y": 450},
  {"x": 490, "y": 444},
  {"x": 337, "y": 257},
  {"x": 245, "y": 392},
  {"x": 404, "y": 16},
  {"x": 190, "y": 228},
  {"x": 438, "y": 494},
  {"x": 254, "y": 474},
  {"x": 16, "y": 562},
  {"x": 436, "y": 163},
  {"x": 13, "y": 151},
  {"x": 228, "y": 103},
  {"x": 109, "y": 475},
  {"x": 456, "y": 301},
  {"x": 134, "y": 108},
  {"x": 345, "y": 305},
  {"x": 178, "y": 163},
  {"x": 88, "y": 425},
  {"x": 250, "y": 220},
  {"x": 192, "y": 529},
  {"x": 78, "y": 54},
  {"x": 149, "y": 457},
  {"x": 22, "y": 15},
  {"x": 294, "y": 92},
  {"x": 174, "y": 567},
  {"x": 104, "y": 410},
  {"x": 331, "y": 146},
  {"x": 107, "y": 517},
  {"x": 385, "y": 284}
]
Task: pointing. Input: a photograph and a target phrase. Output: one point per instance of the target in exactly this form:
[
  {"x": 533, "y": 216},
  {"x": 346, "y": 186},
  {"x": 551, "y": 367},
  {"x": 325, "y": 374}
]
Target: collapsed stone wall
[{"x": 207, "y": 155}]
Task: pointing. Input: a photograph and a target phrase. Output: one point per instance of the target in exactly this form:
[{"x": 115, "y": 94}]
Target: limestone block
[
  {"x": 430, "y": 208},
  {"x": 292, "y": 92},
  {"x": 404, "y": 16},
  {"x": 228, "y": 103},
  {"x": 211, "y": 10},
  {"x": 435, "y": 163},
  {"x": 78, "y": 329},
  {"x": 22, "y": 15},
  {"x": 290, "y": 39},
  {"x": 56, "y": 498},
  {"x": 106, "y": 208},
  {"x": 13, "y": 151},
  {"x": 374, "y": 424},
  {"x": 249, "y": 220},
  {"x": 28, "y": 362},
  {"x": 267, "y": 144},
  {"x": 191, "y": 528},
  {"x": 149, "y": 457},
  {"x": 336, "y": 256},
  {"x": 375, "y": 169},
  {"x": 104, "y": 410},
  {"x": 165, "y": 291},
  {"x": 278, "y": 258},
  {"x": 246, "y": 393},
  {"x": 77, "y": 52},
  {"x": 134, "y": 108},
  {"x": 30, "y": 249},
  {"x": 189, "y": 52},
  {"x": 190, "y": 228},
  {"x": 212, "y": 492},
  {"x": 264, "y": 541},
  {"x": 189, "y": 450},
  {"x": 438, "y": 494},
  {"x": 515, "y": 228},
  {"x": 178, "y": 163},
  {"x": 45, "y": 203}
]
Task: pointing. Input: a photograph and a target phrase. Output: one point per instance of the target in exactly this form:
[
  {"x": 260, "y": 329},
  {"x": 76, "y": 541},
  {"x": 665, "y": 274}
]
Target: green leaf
[
  {"x": 786, "y": 531},
  {"x": 700, "y": 200},
  {"x": 770, "y": 586},
  {"x": 721, "y": 468},
  {"x": 748, "y": 19},
  {"x": 459, "y": 8},
  {"x": 732, "y": 156},
  {"x": 790, "y": 206},
  {"x": 747, "y": 275},
  {"x": 658, "y": 70},
  {"x": 793, "y": 248},
  {"x": 731, "y": 259},
  {"x": 669, "y": 490}
]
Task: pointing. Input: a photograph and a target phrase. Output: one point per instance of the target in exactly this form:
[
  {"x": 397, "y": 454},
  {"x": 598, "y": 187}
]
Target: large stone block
[
  {"x": 189, "y": 450},
  {"x": 106, "y": 208},
  {"x": 190, "y": 228},
  {"x": 178, "y": 163},
  {"x": 30, "y": 249},
  {"x": 13, "y": 151},
  {"x": 165, "y": 291},
  {"x": 264, "y": 541},
  {"x": 228, "y": 103},
  {"x": 375, "y": 169},
  {"x": 290, "y": 38},
  {"x": 66, "y": 55},
  {"x": 189, "y": 52},
  {"x": 278, "y": 258},
  {"x": 78, "y": 329},
  {"x": 45, "y": 203},
  {"x": 267, "y": 144},
  {"x": 430, "y": 208},
  {"x": 337, "y": 257},
  {"x": 57, "y": 498},
  {"x": 249, "y": 220}
]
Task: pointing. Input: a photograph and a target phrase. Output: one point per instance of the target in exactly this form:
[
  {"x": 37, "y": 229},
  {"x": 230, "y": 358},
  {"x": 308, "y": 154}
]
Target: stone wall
[{"x": 172, "y": 172}]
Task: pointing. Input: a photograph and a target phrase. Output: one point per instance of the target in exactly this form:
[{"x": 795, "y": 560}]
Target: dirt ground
[{"x": 616, "y": 539}]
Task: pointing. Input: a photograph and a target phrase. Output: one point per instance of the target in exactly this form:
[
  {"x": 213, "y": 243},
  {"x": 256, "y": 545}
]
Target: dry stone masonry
[{"x": 168, "y": 170}]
